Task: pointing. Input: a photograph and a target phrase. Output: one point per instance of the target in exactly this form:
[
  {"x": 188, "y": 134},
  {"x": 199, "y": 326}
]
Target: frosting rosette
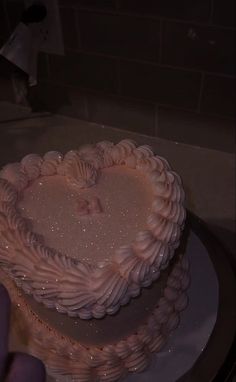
[{"x": 78, "y": 288}]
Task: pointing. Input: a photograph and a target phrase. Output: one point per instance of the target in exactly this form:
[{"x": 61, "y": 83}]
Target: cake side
[
  {"x": 76, "y": 287},
  {"x": 89, "y": 363}
]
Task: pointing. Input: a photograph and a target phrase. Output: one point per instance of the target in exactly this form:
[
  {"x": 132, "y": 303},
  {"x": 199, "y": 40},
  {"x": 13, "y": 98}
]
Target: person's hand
[{"x": 15, "y": 367}]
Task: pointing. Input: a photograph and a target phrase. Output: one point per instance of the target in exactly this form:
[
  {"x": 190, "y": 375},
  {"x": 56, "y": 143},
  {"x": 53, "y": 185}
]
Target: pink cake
[{"x": 88, "y": 252}]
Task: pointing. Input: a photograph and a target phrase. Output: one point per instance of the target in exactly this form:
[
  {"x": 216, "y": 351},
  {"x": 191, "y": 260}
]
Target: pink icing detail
[
  {"x": 143, "y": 240},
  {"x": 177, "y": 272},
  {"x": 164, "y": 162},
  {"x": 171, "y": 294},
  {"x": 95, "y": 206},
  {"x": 145, "y": 150},
  {"x": 92, "y": 155},
  {"x": 105, "y": 153},
  {"x": 181, "y": 302},
  {"x": 104, "y": 145},
  {"x": 122, "y": 150},
  {"x": 79, "y": 173},
  {"x": 7, "y": 192},
  {"x": 139, "y": 272},
  {"x": 173, "y": 322},
  {"x": 147, "y": 164},
  {"x": 13, "y": 174},
  {"x": 51, "y": 161},
  {"x": 3, "y": 222},
  {"x": 98, "y": 291},
  {"x": 185, "y": 281},
  {"x": 109, "y": 362},
  {"x": 15, "y": 221},
  {"x": 156, "y": 176},
  {"x": 83, "y": 207},
  {"x": 107, "y": 160},
  {"x": 6, "y": 208},
  {"x": 54, "y": 156},
  {"x": 72, "y": 155},
  {"x": 137, "y": 362},
  {"x": 160, "y": 164},
  {"x": 166, "y": 305},
  {"x": 31, "y": 165},
  {"x": 131, "y": 161},
  {"x": 122, "y": 254},
  {"x": 173, "y": 282},
  {"x": 157, "y": 343}
]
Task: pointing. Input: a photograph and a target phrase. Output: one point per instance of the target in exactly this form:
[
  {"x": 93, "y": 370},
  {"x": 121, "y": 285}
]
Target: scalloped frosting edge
[
  {"x": 63, "y": 356},
  {"x": 49, "y": 275}
]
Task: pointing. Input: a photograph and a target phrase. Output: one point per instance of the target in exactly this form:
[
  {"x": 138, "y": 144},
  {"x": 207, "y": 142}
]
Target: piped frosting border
[
  {"x": 74, "y": 287},
  {"x": 109, "y": 363}
]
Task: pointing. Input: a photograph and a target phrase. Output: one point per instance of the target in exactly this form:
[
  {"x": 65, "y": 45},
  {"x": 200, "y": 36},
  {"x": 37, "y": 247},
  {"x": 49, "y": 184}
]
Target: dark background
[{"x": 163, "y": 68}]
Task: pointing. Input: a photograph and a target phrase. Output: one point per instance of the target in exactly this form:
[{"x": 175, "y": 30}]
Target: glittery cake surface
[
  {"x": 88, "y": 253},
  {"x": 51, "y": 205},
  {"x": 84, "y": 232}
]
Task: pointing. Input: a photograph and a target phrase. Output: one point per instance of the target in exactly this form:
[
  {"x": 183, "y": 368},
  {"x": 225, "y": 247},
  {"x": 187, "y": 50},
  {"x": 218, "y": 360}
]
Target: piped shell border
[
  {"x": 63, "y": 356},
  {"x": 74, "y": 287}
]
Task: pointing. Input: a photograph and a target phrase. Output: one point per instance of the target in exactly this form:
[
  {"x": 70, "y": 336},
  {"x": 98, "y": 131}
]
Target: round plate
[
  {"x": 217, "y": 359},
  {"x": 201, "y": 349}
]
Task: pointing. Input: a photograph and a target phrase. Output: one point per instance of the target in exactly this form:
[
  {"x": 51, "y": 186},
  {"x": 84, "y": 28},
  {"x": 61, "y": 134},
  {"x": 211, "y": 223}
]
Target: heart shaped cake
[{"x": 88, "y": 252}]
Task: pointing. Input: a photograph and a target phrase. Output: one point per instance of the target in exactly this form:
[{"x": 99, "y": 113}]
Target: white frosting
[
  {"x": 50, "y": 163},
  {"x": 84, "y": 290},
  {"x": 7, "y": 192},
  {"x": 31, "y": 165},
  {"x": 13, "y": 173},
  {"x": 110, "y": 362},
  {"x": 79, "y": 173}
]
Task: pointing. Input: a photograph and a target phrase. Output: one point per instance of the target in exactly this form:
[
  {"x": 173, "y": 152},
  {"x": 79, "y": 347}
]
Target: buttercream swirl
[
  {"x": 3, "y": 222},
  {"x": 31, "y": 165},
  {"x": 7, "y": 192},
  {"x": 122, "y": 150},
  {"x": 51, "y": 160},
  {"x": 14, "y": 174},
  {"x": 104, "y": 148},
  {"x": 79, "y": 173},
  {"x": 92, "y": 155},
  {"x": 83, "y": 290}
]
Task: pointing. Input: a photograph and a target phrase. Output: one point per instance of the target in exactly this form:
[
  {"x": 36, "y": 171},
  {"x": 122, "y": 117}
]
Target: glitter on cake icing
[
  {"x": 88, "y": 253},
  {"x": 91, "y": 265},
  {"x": 51, "y": 206}
]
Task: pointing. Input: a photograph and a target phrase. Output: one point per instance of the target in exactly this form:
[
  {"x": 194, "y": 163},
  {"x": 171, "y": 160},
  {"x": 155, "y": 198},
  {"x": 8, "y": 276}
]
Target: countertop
[{"x": 208, "y": 175}]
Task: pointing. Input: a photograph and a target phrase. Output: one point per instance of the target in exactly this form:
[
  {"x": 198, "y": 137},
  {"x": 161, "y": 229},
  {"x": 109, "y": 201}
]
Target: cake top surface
[
  {"x": 52, "y": 207},
  {"x": 84, "y": 232}
]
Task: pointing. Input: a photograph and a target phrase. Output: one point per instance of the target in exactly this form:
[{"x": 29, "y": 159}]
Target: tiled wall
[{"x": 142, "y": 64}]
